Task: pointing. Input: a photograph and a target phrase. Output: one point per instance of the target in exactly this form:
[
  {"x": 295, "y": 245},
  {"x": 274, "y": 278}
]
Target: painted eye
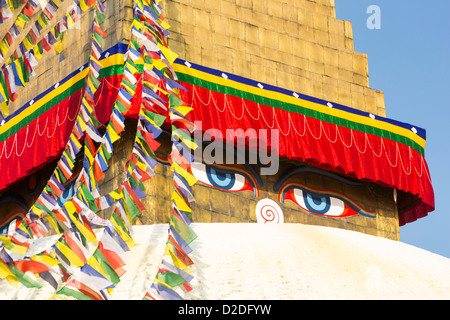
[
  {"x": 319, "y": 204},
  {"x": 224, "y": 178},
  {"x": 322, "y": 203}
]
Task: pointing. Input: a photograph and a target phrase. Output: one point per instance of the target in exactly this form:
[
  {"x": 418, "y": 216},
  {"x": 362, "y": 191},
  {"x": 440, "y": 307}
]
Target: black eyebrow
[{"x": 304, "y": 169}]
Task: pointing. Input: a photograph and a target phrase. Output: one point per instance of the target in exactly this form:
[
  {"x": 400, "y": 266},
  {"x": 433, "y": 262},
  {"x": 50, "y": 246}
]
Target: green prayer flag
[
  {"x": 73, "y": 293},
  {"x": 183, "y": 230},
  {"x": 170, "y": 278},
  {"x": 131, "y": 206},
  {"x": 98, "y": 37},
  {"x": 158, "y": 119},
  {"x": 174, "y": 101},
  {"x": 110, "y": 274},
  {"x": 89, "y": 197},
  {"x": 5, "y": 87},
  {"x": 23, "y": 278},
  {"x": 100, "y": 16},
  {"x": 94, "y": 80}
]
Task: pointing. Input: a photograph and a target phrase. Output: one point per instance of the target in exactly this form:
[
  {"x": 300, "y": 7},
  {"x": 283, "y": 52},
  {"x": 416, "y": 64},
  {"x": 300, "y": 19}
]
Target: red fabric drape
[
  {"x": 44, "y": 139},
  {"x": 328, "y": 146},
  {"x": 38, "y": 143}
]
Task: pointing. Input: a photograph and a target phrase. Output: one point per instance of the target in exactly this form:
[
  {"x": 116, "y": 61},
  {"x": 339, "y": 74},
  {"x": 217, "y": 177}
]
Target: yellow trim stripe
[{"x": 179, "y": 68}]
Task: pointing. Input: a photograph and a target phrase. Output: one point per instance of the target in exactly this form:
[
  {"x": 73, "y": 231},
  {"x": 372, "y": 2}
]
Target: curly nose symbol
[{"x": 268, "y": 211}]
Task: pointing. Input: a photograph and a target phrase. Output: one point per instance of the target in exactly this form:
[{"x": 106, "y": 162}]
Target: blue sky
[{"x": 409, "y": 59}]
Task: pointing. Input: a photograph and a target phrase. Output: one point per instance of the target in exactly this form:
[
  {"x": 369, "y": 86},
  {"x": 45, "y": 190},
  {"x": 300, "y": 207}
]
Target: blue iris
[
  {"x": 219, "y": 179},
  {"x": 316, "y": 204}
]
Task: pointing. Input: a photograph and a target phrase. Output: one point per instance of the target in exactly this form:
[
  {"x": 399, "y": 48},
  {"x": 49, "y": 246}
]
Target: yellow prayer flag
[
  {"x": 159, "y": 64},
  {"x": 20, "y": 22},
  {"x": 10, "y": 4},
  {"x": 131, "y": 67},
  {"x": 164, "y": 24},
  {"x": 13, "y": 281},
  {"x": 140, "y": 5},
  {"x": 186, "y": 175},
  {"x": 96, "y": 265},
  {"x": 169, "y": 54},
  {"x": 89, "y": 155},
  {"x": 41, "y": 22},
  {"x": 11, "y": 246},
  {"x": 156, "y": 87},
  {"x": 92, "y": 86},
  {"x": 37, "y": 54},
  {"x": 69, "y": 254},
  {"x": 137, "y": 24},
  {"x": 115, "y": 195},
  {"x": 45, "y": 259},
  {"x": 87, "y": 105},
  {"x": 81, "y": 123},
  {"x": 70, "y": 207},
  {"x": 70, "y": 22},
  {"x": 112, "y": 133},
  {"x": 5, "y": 273},
  {"x": 123, "y": 234},
  {"x": 58, "y": 47},
  {"x": 4, "y": 108},
  {"x": 3, "y": 47},
  {"x": 177, "y": 262},
  {"x": 28, "y": 45},
  {"x": 84, "y": 231},
  {"x": 37, "y": 210},
  {"x": 52, "y": 222},
  {"x": 83, "y": 5},
  {"x": 75, "y": 140},
  {"x": 190, "y": 143},
  {"x": 180, "y": 203},
  {"x": 141, "y": 166},
  {"x": 184, "y": 110}
]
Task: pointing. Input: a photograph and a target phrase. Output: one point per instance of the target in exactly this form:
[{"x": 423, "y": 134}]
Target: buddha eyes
[
  {"x": 229, "y": 178},
  {"x": 322, "y": 203}
]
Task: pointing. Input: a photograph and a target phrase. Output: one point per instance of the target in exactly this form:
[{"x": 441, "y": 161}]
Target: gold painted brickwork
[{"x": 297, "y": 45}]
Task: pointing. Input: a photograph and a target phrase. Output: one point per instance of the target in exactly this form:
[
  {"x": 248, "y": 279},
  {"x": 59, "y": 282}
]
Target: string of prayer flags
[
  {"x": 88, "y": 266},
  {"x": 69, "y": 250},
  {"x": 30, "y": 49},
  {"x": 149, "y": 31}
]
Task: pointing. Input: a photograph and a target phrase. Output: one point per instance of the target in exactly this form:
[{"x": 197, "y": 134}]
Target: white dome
[{"x": 286, "y": 261}]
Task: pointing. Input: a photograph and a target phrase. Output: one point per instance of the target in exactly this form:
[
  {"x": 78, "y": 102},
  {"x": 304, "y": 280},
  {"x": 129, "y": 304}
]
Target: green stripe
[
  {"x": 300, "y": 110},
  {"x": 111, "y": 71}
]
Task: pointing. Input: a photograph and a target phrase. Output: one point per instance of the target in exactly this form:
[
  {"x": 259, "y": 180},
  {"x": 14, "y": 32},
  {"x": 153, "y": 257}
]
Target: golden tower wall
[{"x": 297, "y": 45}]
